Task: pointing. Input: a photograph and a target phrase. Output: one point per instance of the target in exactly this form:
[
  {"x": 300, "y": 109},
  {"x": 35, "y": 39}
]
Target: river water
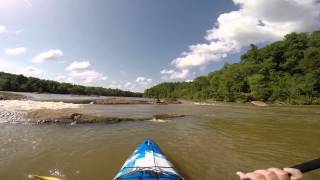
[{"x": 212, "y": 142}]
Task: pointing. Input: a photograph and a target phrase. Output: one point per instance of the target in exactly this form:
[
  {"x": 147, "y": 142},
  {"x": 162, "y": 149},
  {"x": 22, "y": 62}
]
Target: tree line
[
  {"x": 285, "y": 71},
  {"x": 20, "y": 83}
]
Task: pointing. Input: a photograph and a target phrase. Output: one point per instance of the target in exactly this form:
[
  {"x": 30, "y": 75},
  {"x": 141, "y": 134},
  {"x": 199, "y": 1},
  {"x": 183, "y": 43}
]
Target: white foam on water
[
  {"x": 158, "y": 120},
  {"x": 11, "y": 116},
  {"x": 204, "y": 104},
  {"x": 20, "y": 105},
  {"x": 14, "y": 111},
  {"x": 56, "y": 172}
]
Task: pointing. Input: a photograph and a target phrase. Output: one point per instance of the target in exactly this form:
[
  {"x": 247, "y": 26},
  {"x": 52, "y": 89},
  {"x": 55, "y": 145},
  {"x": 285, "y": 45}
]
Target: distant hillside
[
  {"x": 284, "y": 71},
  {"x": 20, "y": 83}
]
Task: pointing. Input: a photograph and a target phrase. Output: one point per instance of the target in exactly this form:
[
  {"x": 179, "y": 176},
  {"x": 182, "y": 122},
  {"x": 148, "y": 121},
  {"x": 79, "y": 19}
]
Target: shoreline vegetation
[
  {"x": 20, "y": 83},
  {"x": 284, "y": 72}
]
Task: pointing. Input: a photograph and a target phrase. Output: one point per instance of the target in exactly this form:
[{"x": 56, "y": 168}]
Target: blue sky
[{"x": 134, "y": 44}]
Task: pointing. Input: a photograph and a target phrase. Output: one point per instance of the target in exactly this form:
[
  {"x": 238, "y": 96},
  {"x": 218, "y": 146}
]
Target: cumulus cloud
[
  {"x": 18, "y": 32},
  {"x": 32, "y": 71},
  {"x": 28, "y": 2},
  {"x": 201, "y": 55},
  {"x": 143, "y": 80},
  {"x": 87, "y": 76},
  {"x": 78, "y": 66},
  {"x": 138, "y": 85},
  {"x": 3, "y": 29},
  {"x": 81, "y": 72},
  {"x": 52, "y": 54},
  {"x": 127, "y": 85},
  {"x": 9, "y": 66},
  {"x": 16, "y": 51},
  {"x": 12, "y": 67},
  {"x": 175, "y": 74},
  {"x": 257, "y": 22}
]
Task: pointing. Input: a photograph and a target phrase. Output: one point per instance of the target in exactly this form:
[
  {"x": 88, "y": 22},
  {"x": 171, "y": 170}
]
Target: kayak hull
[{"x": 148, "y": 162}]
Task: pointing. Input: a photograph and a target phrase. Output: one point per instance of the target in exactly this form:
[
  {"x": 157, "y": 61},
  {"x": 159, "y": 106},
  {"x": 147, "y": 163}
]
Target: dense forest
[
  {"x": 286, "y": 71},
  {"x": 20, "y": 83}
]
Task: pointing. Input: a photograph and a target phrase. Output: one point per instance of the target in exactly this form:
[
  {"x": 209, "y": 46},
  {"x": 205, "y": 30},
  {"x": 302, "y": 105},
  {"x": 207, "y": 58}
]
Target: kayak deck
[{"x": 148, "y": 162}]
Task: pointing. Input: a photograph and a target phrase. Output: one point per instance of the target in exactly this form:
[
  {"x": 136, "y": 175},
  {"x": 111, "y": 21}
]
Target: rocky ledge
[
  {"x": 67, "y": 116},
  {"x": 259, "y": 103},
  {"x": 11, "y": 96},
  {"x": 120, "y": 101}
]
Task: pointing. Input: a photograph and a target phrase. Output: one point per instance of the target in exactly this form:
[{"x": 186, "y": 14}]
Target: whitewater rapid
[{"x": 12, "y": 111}]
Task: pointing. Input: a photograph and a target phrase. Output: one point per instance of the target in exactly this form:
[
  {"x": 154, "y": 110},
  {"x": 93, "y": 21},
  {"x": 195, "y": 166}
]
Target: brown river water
[{"x": 212, "y": 142}]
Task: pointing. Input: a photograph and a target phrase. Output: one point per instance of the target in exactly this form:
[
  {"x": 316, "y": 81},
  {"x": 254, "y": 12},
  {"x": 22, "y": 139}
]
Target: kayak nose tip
[{"x": 148, "y": 141}]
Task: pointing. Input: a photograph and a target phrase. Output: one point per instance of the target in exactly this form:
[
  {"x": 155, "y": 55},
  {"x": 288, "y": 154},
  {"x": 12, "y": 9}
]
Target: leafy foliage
[
  {"x": 284, "y": 71},
  {"x": 20, "y": 83}
]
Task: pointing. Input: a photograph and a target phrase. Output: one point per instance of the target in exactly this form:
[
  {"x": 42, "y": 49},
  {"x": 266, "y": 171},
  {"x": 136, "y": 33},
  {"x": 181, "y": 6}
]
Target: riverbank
[{"x": 213, "y": 103}]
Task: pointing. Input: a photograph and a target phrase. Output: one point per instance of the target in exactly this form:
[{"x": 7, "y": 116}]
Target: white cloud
[
  {"x": 16, "y": 51},
  {"x": 11, "y": 67},
  {"x": 175, "y": 74},
  {"x": 18, "y": 32},
  {"x": 143, "y": 81},
  {"x": 81, "y": 72},
  {"x": 78, "y": 66},
  {"x": 256, "y": 21},
  {"x": 138, "y": 85},
  {"x": 28, "y": 2},
  {"x": 202, "y": 54},
  {"x": 48, "y": 55},
  {"x": 128, "y": 84},
  {"x": 3, "y": 29},
  {"x": 86, "y": 77},
  {"x": 32, "y": 71}
]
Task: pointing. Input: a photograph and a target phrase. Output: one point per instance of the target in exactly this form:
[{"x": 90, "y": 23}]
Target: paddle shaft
[{"x": 308, "y": 166}]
